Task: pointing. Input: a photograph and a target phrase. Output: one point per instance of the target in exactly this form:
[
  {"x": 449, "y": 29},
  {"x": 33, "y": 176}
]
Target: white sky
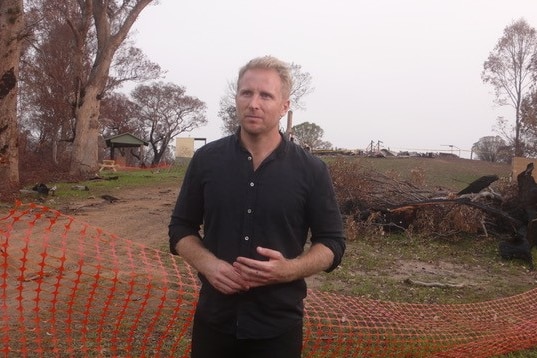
[{"x": 404, "y": 72}]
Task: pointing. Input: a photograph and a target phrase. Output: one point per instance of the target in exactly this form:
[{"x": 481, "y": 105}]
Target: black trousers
[{"x": 209, "y": 343}]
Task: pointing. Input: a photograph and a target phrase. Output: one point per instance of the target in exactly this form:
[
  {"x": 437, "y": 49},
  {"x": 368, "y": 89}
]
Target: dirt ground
[{"x": 139, "y": 214}]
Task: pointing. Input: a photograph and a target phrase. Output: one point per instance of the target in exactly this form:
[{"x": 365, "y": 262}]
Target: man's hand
[
  {"x": 220, "y": 274},
  {"x": 278, "y": 269},
  {"x": 225, "y": 278},
  {"x": 247, "y": 273},
  {"x": 257, "y": 273}
]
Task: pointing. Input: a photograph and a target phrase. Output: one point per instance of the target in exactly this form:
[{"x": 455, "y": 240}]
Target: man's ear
[{"x": 285, "y": 108}]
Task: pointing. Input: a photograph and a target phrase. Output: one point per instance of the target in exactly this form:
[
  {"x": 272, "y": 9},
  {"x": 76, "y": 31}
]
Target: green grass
[
  {"x": 373, "y": 268},
  {"x": 112, "y": 181}
]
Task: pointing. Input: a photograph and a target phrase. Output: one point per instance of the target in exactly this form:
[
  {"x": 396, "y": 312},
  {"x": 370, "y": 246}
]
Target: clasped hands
[{"x": 246, "y": 273}]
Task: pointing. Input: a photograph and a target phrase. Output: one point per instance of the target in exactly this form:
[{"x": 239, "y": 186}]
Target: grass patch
[
  {"x": 108, "y": 182},
  {"x": 380, "y": 267}
]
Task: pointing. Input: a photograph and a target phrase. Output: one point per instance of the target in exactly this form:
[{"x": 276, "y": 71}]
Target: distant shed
[{"x": 125, "y": 140}]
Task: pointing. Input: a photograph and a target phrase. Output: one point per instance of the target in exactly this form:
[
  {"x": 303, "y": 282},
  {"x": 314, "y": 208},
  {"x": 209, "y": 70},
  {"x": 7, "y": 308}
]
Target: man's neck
[{"x": 260, "y": 146}]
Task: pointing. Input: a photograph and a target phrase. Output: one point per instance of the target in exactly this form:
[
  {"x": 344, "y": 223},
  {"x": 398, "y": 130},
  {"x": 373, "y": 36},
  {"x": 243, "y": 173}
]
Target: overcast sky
[{"x": 403, "y": 72}]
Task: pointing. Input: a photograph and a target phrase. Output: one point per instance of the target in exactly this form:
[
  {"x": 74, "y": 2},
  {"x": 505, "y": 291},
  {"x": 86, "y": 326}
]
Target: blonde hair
[{"x": 271, "y": 63}]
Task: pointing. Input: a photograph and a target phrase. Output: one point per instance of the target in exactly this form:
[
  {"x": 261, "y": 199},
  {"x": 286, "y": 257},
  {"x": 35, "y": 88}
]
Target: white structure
[{"x": 185, "y": 147}]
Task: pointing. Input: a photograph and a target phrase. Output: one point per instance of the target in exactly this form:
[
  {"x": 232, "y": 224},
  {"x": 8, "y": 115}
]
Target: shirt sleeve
[
  {"x": 187, "y": 216},
  {"x": 324, "y": 216}
]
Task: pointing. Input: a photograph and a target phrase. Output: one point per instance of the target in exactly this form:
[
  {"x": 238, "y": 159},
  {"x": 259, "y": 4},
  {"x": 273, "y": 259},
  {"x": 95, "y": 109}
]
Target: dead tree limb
[
  {"x": 460, "y": 201},
  {"x": 433, "y": 284}
]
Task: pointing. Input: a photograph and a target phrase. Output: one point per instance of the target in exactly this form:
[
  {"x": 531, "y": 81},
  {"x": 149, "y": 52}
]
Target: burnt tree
[{"x": 11, "y": 27}]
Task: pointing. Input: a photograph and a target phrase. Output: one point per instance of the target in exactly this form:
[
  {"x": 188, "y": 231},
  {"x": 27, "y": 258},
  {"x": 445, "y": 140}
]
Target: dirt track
[{"x": 140, "y": 214}]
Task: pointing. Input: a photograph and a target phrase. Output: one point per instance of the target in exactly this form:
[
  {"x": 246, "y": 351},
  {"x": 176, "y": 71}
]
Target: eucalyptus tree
[
  {"x": 80, "y": 52},
  {"x": 11, "y": 33},
  {"x": 119, "y": 115},
  {"x": 510, "y": 68},
  {"x": 164, "y": 112},
  {"x": 112, "y": 21},
  {"x": 529, "y": 123},
  {"x": 310, "y": 135},
  {"x": 48, "y": 90},
  {"x": 490, "y": 149}
]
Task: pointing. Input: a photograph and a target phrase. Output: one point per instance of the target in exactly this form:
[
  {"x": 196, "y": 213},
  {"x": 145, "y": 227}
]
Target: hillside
[{"x": 450, "y": 173}]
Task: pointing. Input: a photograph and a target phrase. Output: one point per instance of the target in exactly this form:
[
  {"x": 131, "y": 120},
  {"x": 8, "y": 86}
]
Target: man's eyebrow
[{"x": 265, "y": 93}]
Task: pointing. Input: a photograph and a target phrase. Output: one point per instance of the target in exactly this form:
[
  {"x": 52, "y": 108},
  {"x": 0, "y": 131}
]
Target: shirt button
[
  {"x": 246, "y": 238},
  {"x": 252, "y": 184},
  {"x": 249, "y": 158},
  {"x": 249, "y": 211}
]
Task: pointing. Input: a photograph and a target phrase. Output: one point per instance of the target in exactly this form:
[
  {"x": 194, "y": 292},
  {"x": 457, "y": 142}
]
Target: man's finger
[{"x": 271, "y": 254}]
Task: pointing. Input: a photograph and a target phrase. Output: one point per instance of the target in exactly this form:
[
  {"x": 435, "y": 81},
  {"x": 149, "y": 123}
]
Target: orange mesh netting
[{"x": 71, "y": 289}]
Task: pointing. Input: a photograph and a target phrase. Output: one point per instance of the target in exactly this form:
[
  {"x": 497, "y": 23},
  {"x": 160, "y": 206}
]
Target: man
[{"x": 257, "y": 196}]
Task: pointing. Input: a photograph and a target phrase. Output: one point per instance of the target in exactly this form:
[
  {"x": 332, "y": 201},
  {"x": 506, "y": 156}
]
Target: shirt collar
[{"x": 282, "y": 148}]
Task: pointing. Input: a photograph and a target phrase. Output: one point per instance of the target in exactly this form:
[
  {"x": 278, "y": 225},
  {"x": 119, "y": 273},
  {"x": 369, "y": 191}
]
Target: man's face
[{"x": 260, "y": 102}]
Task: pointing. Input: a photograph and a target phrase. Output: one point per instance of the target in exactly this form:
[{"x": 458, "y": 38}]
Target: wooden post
[{"x": 289, "y": 128}]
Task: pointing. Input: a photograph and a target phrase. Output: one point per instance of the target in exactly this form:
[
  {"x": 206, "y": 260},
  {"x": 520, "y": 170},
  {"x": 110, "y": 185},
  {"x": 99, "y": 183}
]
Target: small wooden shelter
[{"x": 125, "y": 140}]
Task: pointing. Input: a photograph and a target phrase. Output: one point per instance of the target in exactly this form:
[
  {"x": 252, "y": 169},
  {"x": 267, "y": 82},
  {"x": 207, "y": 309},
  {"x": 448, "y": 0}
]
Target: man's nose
[{"x": 254, "y": 102}]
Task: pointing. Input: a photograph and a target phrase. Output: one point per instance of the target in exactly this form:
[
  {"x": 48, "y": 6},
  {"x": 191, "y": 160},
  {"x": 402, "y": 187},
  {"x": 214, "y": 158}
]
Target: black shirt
[{"x": 274, "y": 206}]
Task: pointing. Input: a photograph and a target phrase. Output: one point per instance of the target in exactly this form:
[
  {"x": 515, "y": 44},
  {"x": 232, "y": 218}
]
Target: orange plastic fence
[{"x": 71, "y": 289}]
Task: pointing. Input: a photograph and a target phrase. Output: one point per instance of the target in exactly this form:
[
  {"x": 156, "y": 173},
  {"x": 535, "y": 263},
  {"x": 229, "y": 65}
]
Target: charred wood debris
[{"x": 489, "y": 206}]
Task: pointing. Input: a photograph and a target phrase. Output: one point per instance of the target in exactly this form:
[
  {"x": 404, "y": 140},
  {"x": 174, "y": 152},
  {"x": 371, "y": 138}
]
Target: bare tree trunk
[
  {"x": 519, "y": 152},
  {"x": 85, "y": 146},
  {"x": 55, "y": 150},
  {"x": 11, "y": 26}
]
